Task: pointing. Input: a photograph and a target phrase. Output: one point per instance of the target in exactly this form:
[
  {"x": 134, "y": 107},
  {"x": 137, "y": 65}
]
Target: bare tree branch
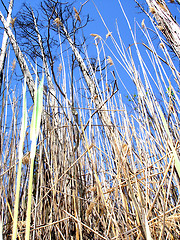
[
  {"x": 112, "y": 133},
  {"x": 19, "y": 56}
]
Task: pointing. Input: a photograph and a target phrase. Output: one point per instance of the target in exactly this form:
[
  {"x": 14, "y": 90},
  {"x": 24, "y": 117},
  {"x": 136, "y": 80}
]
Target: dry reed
[{"x": 97, "y": 179}]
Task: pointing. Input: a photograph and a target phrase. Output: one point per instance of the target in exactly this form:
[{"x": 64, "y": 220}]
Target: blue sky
[{"x": 111, "y": 12}]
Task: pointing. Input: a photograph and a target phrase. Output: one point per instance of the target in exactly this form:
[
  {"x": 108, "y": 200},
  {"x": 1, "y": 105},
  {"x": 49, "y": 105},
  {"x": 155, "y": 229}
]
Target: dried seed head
[
  {"x": 95, "y": 35},
  {"x": 152, "y": 10},
  {"x": 160, "y": 27},
  {"x": 108, "y": 34},
  {"x": 57, "y": 21},
  {"x": 13, "y": 21},
  {"x": 77, "y": 14},
  {"x": 143, "y": 24},
  {"x": 161, "y": 45},
  {"x": 60, "y": 68},
  {"x": 125, "y": 149},
  {"x": 13, "y": 64},
  {"x": 110, "y": 61},
  {"x": 107, "y": 87}
]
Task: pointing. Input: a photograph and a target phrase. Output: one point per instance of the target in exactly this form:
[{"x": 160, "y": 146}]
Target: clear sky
[{"x": 111, "y": 12}]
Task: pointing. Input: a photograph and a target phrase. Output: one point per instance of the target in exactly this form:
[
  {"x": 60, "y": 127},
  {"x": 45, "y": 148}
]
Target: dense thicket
[{"x": 100, "y": 172}]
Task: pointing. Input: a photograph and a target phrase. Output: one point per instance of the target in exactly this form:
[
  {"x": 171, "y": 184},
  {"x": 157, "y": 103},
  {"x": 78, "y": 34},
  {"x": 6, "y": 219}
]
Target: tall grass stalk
[
  {"x": 1, "y": 229},
  {"x": 174, "y": 151},
  {"x": 34, "y": 132},
  {"x": 20, "y": 157},
  {"x": 103, "y": 169}
]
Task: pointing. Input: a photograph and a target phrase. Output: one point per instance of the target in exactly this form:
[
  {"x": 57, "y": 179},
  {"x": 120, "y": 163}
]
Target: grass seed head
[
  {"x": 13, "y": 64},
  {"x": 143, "y": 24},
  {"x": 110, "y": 61},
  {"x": 95, "y": 36},
  {"x": 59, "y": 68},
  {"x": 13, "y": 21},
  {"x": 152, "y": 10},
  {"x": 77, "y": 14},
  {"x": 161, "y": 45},
  {"x": 57, "y": 21},
  {"x": 160, "y": 27},
  {"x": 108, "y": 34}
]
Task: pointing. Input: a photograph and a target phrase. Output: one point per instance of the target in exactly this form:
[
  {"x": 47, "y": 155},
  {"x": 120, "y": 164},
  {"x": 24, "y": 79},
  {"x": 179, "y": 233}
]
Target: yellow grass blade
[
  {"x": 35, "y": 126},
  {"x": 21, "y": 143}
]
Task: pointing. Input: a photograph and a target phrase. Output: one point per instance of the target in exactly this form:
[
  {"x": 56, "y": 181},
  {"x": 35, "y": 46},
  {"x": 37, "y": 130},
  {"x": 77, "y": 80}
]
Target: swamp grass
[{"x": 87, "y": 184}]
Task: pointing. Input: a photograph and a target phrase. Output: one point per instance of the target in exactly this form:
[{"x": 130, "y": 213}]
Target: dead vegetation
[{"x": 100, "y": 172}]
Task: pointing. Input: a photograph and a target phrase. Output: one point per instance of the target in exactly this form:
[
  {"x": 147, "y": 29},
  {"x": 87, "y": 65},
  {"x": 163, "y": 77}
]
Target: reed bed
[{"x": 102, "y": 170}]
